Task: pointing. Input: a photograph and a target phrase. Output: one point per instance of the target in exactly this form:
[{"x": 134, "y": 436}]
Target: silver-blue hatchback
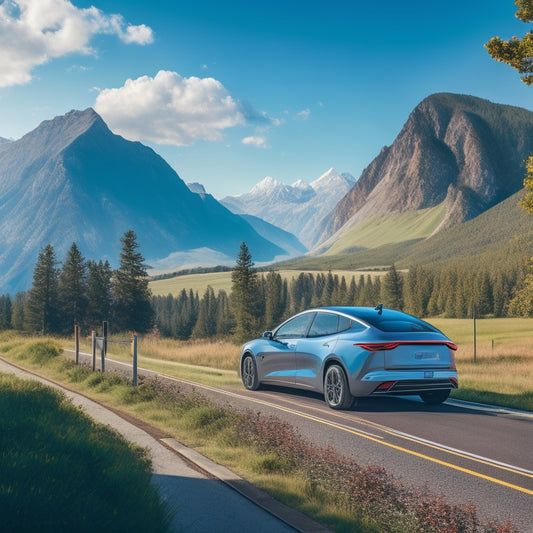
[{"x": 349, "y": 352}]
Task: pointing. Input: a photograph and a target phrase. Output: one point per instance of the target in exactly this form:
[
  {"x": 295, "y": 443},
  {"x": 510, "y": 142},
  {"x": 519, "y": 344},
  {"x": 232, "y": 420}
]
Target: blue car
[{"x": 345, "y": 353}]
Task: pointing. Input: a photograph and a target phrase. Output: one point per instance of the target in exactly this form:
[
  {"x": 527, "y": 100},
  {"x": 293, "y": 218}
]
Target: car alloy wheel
[
  {"x": 249, "y": 373},
  {"x": 336, "y": 392}
]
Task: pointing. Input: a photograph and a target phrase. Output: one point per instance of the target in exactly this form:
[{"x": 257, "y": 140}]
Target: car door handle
[
  {"x": 326, "y": 344},
  {"x": 291, "y": 346}
]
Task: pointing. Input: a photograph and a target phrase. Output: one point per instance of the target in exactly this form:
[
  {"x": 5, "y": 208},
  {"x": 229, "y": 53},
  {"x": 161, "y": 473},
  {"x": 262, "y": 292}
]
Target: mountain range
[
  {"x": 298, "y": 208},
  {"x": 449, "y": 184},
  {"x": 72, "y": 180}
]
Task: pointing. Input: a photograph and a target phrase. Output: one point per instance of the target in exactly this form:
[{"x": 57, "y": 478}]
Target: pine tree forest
[{"x": 84, "y": 292}]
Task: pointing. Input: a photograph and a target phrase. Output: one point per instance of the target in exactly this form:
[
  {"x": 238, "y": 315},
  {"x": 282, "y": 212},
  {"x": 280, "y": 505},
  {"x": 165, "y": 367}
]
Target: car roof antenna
[{"x": 379, "y": 309}]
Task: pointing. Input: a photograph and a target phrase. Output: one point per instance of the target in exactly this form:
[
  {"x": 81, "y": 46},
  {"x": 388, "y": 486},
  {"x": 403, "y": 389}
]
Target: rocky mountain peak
[{"x": 459, "y": 150}]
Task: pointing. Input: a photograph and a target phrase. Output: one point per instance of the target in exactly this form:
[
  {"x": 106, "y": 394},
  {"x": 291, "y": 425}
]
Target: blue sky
[{"x": 229, "y": 92}]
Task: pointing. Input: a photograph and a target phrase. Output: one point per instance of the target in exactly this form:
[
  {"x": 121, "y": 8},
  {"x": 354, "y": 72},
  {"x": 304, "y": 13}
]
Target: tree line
[
  {"x": 88, "y": 292},
  {"x": 83, "y": 293}
]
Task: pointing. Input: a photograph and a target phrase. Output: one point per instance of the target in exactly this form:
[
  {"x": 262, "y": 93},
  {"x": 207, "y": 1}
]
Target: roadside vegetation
[
  {"x": 502, "y": 373},
  {"x": 338, "y": 492},
  {"x": 60, "y": 471}
]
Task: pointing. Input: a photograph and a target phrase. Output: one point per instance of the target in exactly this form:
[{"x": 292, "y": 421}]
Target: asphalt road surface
[{"x": 468, "y": 453}]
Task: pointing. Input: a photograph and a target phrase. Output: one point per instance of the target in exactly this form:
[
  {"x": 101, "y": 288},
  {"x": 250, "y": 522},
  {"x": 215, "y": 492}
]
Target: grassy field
[
  {"x": 222, "y": 280},
  {"x": 502, "y": 373},
  {"x": 60, "y": 470}
]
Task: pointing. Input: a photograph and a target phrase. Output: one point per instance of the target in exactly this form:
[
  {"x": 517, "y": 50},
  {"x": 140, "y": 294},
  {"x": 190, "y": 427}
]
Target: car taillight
[
  {"x": 383, "y": 346},
  {"x": 378, "y": 346}
]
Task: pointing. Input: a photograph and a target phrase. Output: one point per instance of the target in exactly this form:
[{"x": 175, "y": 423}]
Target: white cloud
[
  {"x": 170, "y": 109},
  {"x": 304, "y": 115},
  {"x": 36, "y": 31},
  {"x": 260, "y": 142}
]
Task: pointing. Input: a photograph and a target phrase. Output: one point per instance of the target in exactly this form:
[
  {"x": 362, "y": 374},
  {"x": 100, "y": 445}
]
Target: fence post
[
  {"x": 77, "y": 341},
  {"x": 134, "y": 346},
  {"x": 93, "y": 338},
  {"x": 475, "y": 333},
  {"x": 104, "y": 335},
  {"x": 102, "y": 355}
]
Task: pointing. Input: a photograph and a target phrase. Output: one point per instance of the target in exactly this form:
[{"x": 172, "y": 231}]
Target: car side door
[
  {"x": 277, "y": 365},
  {"x": 312, "y": 350}
]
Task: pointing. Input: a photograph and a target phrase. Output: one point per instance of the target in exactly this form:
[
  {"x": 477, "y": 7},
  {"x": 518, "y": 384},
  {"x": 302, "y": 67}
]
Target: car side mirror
[{"x": 267, "y": 335}]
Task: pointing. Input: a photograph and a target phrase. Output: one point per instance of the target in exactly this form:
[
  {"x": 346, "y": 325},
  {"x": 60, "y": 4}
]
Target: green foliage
[
  {"x": 60, "y": 471},
  {"x": 527, "y": 202},
  {"x": 99, "y": 293},
  {"x": 41, "y": 352},
  {"x": 522, "y": 304},
  {"x": 73, "y": 290},
  {"x": 245, "y": 296},
  {"x": 130, "y": 288},
  {"x": 516, "y": 52},
  {"x": 392, "y": 289},
  {"x": 41, "y": 313},
  {"x": 5, "y": 312}
]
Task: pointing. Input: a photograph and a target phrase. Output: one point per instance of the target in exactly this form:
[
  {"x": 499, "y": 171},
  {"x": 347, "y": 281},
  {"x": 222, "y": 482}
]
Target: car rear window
[{"x": 397, "y": 325}]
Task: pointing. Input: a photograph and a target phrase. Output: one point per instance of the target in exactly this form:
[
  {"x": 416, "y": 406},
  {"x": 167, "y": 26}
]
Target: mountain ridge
[
  {"x": 458, "y": 149},
  {"x": 73, "y": 180}
]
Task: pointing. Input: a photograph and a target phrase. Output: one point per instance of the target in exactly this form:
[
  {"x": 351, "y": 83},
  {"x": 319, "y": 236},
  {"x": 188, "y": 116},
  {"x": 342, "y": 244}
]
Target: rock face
[
  {"x": 298, "y": 208},
  {"x": 72, "y": 180},
  {"x": 462, "y": 150}
]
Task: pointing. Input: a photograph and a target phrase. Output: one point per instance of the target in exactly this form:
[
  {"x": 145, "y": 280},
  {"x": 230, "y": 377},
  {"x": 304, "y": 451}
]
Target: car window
[
  {"x": 295, "y": 328},
  {"x": 324, "y": 324},
  {"x": 345, "y": 323}
]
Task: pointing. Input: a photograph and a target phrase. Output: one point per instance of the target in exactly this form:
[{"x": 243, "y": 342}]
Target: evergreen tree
[
  {"x": 244, "y": 295},
  {"x": 517, "y": 53},
  {"x": 99, "y": 293},
  {"x": 522, "y": 304},
  {"x": 17, "y": 311},
  {"x": 42, "y": 306},
  {"x": 224, "y": 322},
  {"x": 351, "y": 298},
  {"x": 206, "y": 324},
  {"x": 5, "y": 312},
  {"x": 130, "y": 289},
  {"x": 274, "y": 304},
  {"x": 73, "y": 289},
  {"x": 392, "y": 289}
]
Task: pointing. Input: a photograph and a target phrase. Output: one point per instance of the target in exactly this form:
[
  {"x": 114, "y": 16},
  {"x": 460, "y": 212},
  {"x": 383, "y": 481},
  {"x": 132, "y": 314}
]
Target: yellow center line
[
  {"x": 401, "y": 448},
  {"x": 373, "y": 438}
]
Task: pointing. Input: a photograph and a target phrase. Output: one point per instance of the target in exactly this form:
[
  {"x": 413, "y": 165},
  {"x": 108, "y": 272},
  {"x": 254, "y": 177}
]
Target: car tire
[
  {"x": 249, "y": 373},
  {"x": 336, "y": 391},
  {"x": 435, "y": 397}
]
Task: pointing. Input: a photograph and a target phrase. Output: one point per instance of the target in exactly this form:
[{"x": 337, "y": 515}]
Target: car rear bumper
[{"x": 400, "y": 382}]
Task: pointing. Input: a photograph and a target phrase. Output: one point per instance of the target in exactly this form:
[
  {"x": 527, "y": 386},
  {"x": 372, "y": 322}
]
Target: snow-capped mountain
[{"x": 297, "y": 208}]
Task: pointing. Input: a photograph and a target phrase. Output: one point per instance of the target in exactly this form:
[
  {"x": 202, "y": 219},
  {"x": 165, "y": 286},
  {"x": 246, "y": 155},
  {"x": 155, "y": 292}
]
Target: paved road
[
  {"x": 204, "y": 496},
  {"x": 466, "y": 452}
]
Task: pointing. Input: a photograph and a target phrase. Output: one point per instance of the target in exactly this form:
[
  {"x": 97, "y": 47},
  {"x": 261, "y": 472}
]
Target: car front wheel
[
  {"x": 249, "y": 373},
  {"x": 435, "y": 397},
  {"x": 336, "y": 392}
]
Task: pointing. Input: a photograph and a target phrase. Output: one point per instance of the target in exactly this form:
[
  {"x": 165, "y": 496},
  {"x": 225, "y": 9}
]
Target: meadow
[{"x": 222, "y": 280}]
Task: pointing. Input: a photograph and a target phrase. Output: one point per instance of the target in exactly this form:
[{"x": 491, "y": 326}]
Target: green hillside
[
  {"x": 500, "y": 235},
  {"x": 380, "y": 230}
]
